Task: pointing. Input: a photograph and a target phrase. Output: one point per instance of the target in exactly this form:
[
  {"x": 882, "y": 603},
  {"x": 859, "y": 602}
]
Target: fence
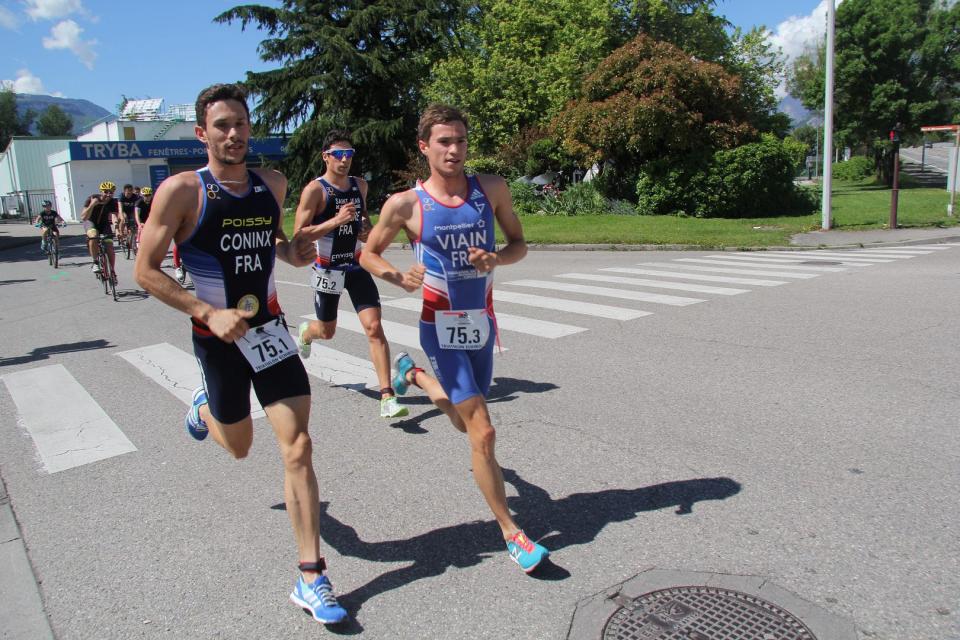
[{"x": 24, "y": 204}]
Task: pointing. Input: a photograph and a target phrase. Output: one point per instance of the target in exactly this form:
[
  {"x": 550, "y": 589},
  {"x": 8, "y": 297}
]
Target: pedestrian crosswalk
[{"x": 565, "y": 305}]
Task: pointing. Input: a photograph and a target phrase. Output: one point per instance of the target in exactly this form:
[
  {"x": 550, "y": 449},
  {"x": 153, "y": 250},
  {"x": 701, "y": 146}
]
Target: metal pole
[
  {"x": 956, "y": 161},
  {"x": 895, "y": 194},
  {"x": 828, "y": 122}
]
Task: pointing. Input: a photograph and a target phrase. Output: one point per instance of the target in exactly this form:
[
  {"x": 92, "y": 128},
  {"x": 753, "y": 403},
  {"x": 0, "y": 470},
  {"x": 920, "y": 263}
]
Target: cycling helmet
[
  {"x": 146, "y": 191},
  {"x": 46, "y": 203},
  {"x": 106, "y": 185}
]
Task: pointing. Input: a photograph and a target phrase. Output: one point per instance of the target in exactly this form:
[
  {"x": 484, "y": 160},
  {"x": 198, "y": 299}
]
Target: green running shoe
[
  {"x": 301, "y": 343},
  {"x": 390, "y": 408}
]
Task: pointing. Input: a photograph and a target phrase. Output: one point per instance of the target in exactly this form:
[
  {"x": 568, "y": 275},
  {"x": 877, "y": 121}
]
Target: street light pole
[{"x": 828, "y": 123}]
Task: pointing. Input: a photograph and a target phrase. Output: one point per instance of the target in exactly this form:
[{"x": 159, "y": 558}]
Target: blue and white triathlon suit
[{"x": 451, "y": 283}]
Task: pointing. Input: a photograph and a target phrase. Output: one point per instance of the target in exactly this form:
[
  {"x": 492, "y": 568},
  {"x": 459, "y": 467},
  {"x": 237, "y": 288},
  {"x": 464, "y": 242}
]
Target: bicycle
[
  {"x": 53, "y": 249},
  {"x": 105, "y": 275},
  {"x": 130, "y": 240}
]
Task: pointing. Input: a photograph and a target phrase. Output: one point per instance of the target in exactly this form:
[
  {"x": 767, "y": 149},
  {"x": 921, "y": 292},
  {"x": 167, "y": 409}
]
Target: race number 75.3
[{"x": 466, "y": 329}]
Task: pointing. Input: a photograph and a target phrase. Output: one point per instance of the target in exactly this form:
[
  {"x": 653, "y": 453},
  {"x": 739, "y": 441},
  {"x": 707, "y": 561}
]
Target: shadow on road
[
  {"x": 502, "y": 390},
  {"x": 573, "y": 520},
  {"x": 4, "y": 282},
  {"x": 42, "y": 353}
]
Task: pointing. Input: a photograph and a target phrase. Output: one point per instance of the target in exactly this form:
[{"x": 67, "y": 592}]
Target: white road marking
[
  {"x": 743, "y": 272},
  {"x": 396, "y": 332},
  {"x": 176, "y": 371},
  {"x": 656, "y": 284},
  {"x": 642, "y": 296},
  {"x": 505, "y": 321},
  {"x": 570, "y": 306},
  {"x": 753, "y": 265},
  {"x": 794, "y": 258},
  {"x": 339, "y": 368},
  {"x": 763, "y": 263},
  {"x": 697, "y": 276},
  {"x": 67, "y": 425},
  {"x": 853, "y": 257},
  {"x": 896, "y": 251}
]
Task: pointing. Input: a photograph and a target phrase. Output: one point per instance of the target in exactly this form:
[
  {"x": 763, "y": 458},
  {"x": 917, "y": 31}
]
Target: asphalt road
[{"x": 805, "y": 432}]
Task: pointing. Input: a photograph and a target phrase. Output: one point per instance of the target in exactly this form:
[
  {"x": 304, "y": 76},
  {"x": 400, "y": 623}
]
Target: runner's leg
[
  {"x": 289, "y": 418},
  {"x": 370, "y": 318},
  {"x": 236, "y": 437},
  {"x": 486, "y": 470}
]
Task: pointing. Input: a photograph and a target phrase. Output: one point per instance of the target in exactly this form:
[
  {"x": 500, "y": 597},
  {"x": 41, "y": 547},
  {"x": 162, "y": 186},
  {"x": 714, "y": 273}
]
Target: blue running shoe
[
  {"x": 195, "y": 426},
  {"x": 318, "y": 599},
  {"x": 403, "y": 363},
  {"x": 525, "y": 552}
]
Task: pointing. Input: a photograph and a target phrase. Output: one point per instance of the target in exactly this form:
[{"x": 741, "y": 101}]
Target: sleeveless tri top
[
  {"x": 446, "y": 232},
  {"x": 341, "y": 246},
  {"x": 231, "y": 252}
]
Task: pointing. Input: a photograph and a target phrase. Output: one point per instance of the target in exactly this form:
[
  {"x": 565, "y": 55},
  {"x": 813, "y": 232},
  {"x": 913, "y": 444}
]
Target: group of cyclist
[{"x": 102, "y": 210}]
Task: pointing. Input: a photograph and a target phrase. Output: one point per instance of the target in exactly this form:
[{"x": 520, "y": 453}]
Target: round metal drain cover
[{"x": 702, "y": 613}]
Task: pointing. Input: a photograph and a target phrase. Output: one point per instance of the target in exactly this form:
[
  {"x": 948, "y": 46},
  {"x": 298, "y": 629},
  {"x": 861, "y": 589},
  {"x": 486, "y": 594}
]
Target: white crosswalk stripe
[
  {"x": 70, "y": 431},
  {"x": 697, "y": 276},
  {"x": 656, "y": 284},
  {"x": 505, "y": 321},
  {"x": 340, "y": 369},
  {"x": 641, "y": 296},
  {"x": 569, "y": 306},
  {"x": 726, "y": 267},
  {"x": 763, "y": 263},
  {"x": 396, "y": 332},
  {"x": 897, "y": 251},
  {"x": 934, "y": 247},
  {"x": 789, "y": 259},
  {"x": 176, "y": 371},
  {"x": 853, "y": 257}
]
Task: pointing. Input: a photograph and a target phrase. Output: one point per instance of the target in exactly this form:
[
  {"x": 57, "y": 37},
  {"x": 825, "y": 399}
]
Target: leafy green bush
[
  {"x": 525, "y": 198},
  {"x": 752, "y": 180},
  {"x": 543, "y": 155},
  {"x": 487, "y": 164},
  {"x": 856, "y": 168}
]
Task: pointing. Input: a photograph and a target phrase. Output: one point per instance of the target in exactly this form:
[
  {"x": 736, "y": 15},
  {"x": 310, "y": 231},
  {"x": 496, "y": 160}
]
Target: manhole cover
[
  {"x": 702, "y": 613},
  {"x": 826, "y": 262}
]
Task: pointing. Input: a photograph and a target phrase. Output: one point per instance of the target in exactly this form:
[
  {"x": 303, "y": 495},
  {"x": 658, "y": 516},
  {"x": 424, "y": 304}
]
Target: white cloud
[
  {"x": 53, "y": 9},
  {"x": 66, "y": 35},
  {"x": 8, "y": 20},
  {"x": 26, "y": 82},
  {"x": 798, "y": 33}
]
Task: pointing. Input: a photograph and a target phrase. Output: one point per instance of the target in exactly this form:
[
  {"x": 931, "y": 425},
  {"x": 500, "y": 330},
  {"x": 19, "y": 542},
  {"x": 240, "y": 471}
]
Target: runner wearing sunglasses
[{"x": 335, "y": 205}]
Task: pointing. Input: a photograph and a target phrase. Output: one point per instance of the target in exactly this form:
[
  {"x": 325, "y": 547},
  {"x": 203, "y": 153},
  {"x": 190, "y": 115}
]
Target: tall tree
[
  {"x": 54, "y": 122},
  {"x": 896, "y": 61},
  {"x": 349, "y": 64},
  {"x": 12, "y": 123},
  {"x": 523, "y": 61},
  {"x": 650, "y": 99},
  {"x": 691, "y": 25}
]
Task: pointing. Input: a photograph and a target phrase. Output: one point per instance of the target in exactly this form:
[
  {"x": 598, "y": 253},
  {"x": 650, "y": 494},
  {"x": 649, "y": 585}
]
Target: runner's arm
[
  {"x": 299, "y": 251},
  {"x": 394, "y": 216},
  {"x": 313, "y": 198},
  {"x": 173, "y": 204},
  {"x": 365, "y": 223},
  {"x": 516, "y": 248}
]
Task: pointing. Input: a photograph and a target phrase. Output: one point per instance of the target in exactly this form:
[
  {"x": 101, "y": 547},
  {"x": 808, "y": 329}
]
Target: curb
[{"x": 21, "y": 605}]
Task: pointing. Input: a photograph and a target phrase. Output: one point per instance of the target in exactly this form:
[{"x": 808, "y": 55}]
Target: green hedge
[
  {"x": 752, "y": 180},
  {"x": 856, "y": 168},
  {"x": 577, "y": 200}
]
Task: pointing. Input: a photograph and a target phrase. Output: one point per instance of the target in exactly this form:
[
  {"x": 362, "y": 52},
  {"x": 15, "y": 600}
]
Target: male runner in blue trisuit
[
  {"x": 450, "y": 220},
  {"x": 226, "y": 219}
]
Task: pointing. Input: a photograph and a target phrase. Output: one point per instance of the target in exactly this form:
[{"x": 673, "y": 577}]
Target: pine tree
[
  {"x": 354, "y": 65},
  {"x": 54, "y": 122}
]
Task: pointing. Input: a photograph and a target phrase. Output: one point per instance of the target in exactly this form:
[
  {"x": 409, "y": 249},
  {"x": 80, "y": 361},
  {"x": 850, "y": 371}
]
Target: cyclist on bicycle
[
  {"x": 48, "y": 220},
  {"x": 142, "y": 210},
  {"x": 128, "y": 204},
  {"x": 100, "y": 210}
]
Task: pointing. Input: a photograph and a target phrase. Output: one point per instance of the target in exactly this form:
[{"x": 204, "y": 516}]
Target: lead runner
[
  {"x": 450, "y": 220},
  {"x": 226, "y": 221}
]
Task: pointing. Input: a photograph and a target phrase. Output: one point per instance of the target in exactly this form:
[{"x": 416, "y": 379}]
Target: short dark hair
[
  {"x": 438, "y": 114},
  {"x": 337, "y": 135},
  {"x": 127, "y": 186},
  {"x": 216, "y": 93}
]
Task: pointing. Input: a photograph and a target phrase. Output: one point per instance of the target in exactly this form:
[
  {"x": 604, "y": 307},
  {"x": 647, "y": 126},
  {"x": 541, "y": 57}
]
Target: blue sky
[{"x": 100, "y": 50}]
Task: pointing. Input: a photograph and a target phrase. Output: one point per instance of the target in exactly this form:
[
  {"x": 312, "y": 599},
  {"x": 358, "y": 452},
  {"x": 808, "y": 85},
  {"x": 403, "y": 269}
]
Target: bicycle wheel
[
  {"x": 113, "y": 285},
  {"x": 55, "y": 253},
  {"x": 50, "y": 252},
  {"x": 126, "y": 246},
  {"x": 103, "y": 274}
]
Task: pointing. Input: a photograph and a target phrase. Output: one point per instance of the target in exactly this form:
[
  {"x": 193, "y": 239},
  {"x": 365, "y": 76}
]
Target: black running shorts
[
  {"x": 363, "y": 294},
  {"x": 227, "y": 377}
]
